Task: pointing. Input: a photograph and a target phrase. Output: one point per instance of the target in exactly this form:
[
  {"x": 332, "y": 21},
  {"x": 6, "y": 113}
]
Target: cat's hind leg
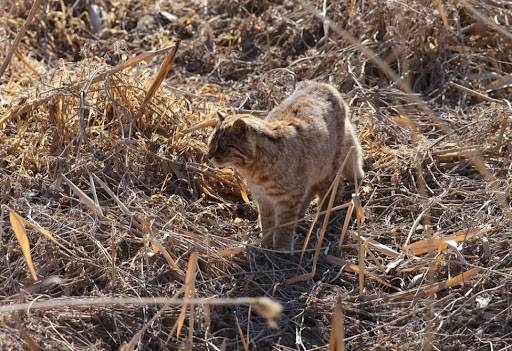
[
  {"x": 323, "y": 190},
  {"x": 351, "y": 150}
]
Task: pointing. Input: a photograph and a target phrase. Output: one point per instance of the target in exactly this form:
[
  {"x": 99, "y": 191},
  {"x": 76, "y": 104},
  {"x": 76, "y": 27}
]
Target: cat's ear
[
  {"x": 240, "y": 126},
  {"x": 221, "y": 116}
]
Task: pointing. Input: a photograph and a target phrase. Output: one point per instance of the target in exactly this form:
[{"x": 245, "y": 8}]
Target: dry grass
[{"x": 105, "y": 190}]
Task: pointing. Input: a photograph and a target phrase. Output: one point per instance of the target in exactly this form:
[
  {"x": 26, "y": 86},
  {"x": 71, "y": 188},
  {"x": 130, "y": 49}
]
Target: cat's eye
[{"x": 234, "y": 147}]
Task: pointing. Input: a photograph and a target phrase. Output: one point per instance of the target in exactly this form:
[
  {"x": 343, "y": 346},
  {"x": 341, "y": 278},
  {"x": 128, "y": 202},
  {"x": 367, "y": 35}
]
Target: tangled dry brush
[{"x": 103, "y": 124}]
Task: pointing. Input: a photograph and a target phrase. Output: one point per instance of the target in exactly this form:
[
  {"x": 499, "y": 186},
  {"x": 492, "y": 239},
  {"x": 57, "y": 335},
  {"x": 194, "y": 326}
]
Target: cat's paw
[
  {"x": 283, "y": 242},
  {"x": 267, "y": 241}
]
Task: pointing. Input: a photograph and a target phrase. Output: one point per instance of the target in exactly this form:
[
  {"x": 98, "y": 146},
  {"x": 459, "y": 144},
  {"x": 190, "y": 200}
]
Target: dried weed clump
[{"x": 116, "y": 234}]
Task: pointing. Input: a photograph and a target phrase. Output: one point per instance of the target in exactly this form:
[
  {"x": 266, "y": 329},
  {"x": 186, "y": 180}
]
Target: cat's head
[{"x": 233, "y": 142}]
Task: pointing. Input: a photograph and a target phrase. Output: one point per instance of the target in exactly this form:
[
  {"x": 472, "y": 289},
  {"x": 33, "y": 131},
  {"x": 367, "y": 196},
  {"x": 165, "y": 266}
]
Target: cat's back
[{"x": 311, "y": 101}]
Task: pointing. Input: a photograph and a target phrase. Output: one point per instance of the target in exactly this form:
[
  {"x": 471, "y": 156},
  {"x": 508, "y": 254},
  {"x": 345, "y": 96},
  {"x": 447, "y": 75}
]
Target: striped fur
[{"x": 290, "y": 156}]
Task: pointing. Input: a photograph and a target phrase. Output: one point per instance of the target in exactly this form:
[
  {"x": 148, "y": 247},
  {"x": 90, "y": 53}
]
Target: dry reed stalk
[
  {"x": 346, "y": 222},
  {"x": 437, "y": 242},
  {"x": 264, "y": 306},
  {"x": 157, "y": 247},
  {"x": 132, "y": 344},
  {"x": 190, "y": 278},
  {"x": 45, "y": 233},
  {"x": 352, "y": 8},
  {"x": 356, "y": 269},
  {"x": 361, "y": 246},
  {"x": 433, "y": 288},
  {"x": 386, "y": 250},
  {"x": 105, "y": 187},
  {"x": 337, "y": 338},
  {"x": 32, "y": 13},
  {"x": 212, "y": 122},
  {"x": 29, "y": 341},
  {"x": 442, "y": 12},
  {"x": 159, "y": 78},
  {"x": 476, "y": 93},
  {"x": 21, "y": 234},
  {"x": 83, "y": 197},
  {"x": 245, "y": 343}
]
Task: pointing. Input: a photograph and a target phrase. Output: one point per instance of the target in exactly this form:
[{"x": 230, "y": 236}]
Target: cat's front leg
[
  {"x": 266, "y": 221},
  {"x": 287, "y": 214}
]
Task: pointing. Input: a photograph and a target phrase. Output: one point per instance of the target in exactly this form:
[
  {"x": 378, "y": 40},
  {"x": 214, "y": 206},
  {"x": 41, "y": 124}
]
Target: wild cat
[{"x": 290, "y": 156}]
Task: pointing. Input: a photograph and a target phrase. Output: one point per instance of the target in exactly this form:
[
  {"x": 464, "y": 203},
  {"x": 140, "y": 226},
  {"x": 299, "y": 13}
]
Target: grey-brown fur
[{"x": 290, "y": 156}]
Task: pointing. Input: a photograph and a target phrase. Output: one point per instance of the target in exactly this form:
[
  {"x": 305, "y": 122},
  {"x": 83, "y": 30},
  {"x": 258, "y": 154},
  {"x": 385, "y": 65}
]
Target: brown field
[{"x": 116, "y": 234}]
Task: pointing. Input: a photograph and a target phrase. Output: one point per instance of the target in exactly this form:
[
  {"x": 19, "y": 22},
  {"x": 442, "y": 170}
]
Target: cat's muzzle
[{"x": 215, "y": 159}]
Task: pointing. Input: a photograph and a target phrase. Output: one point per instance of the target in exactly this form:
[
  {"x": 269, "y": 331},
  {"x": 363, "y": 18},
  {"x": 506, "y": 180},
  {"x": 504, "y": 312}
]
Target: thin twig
[{"x": 32, "y": 13}]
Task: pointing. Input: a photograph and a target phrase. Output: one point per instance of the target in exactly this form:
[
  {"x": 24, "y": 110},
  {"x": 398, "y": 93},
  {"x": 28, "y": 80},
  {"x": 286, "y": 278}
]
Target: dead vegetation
[{"x": 101, "y": 168}]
